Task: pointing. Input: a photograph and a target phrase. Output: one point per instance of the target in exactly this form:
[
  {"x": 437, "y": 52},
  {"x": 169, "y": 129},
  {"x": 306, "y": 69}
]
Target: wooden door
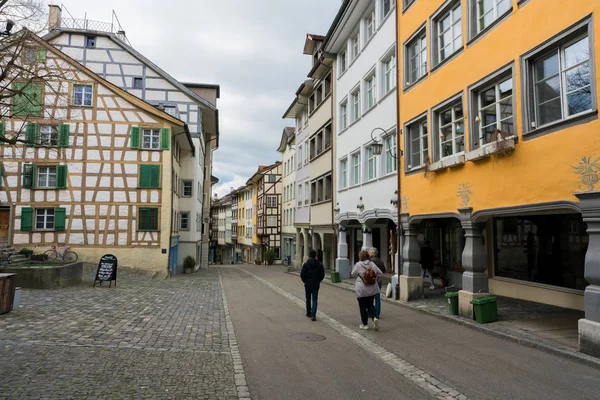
[{"x": 4, "y": 226}]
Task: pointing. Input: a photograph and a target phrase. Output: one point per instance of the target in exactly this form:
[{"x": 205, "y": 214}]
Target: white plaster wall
[{"x": 288, "y": 180}]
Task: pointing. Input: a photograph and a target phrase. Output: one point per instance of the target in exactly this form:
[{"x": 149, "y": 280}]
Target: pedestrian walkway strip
[
  {"x": 238, "y": 367},
  {"x": 406, "y": 369}
]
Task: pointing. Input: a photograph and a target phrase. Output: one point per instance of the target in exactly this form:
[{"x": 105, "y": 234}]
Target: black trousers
[{"x": 367, "y": 309}]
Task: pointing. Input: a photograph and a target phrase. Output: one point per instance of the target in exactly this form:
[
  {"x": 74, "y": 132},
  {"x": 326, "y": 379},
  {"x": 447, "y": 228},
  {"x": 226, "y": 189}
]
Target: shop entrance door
[{"x": 4, "y": 226}]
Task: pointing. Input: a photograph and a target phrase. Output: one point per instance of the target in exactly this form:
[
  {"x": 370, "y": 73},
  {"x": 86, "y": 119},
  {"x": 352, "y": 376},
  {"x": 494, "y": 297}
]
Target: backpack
[{"x": 369, "y": 277}]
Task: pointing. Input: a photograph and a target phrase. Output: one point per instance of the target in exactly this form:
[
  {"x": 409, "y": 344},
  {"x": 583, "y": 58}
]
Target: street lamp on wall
[
  {"x": 394, "y": 200},
  {"x": 360, "y": 205},
  {"x": 377, "y": 146},
  {"x": 336, "y": 210}
]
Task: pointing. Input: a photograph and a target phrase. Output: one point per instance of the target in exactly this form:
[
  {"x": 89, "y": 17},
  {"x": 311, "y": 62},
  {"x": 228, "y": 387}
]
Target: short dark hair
[{"x": 312, "y": 254}]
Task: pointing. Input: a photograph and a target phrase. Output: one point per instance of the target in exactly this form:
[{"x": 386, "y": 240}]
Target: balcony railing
[{"x": 90, "y": 25}]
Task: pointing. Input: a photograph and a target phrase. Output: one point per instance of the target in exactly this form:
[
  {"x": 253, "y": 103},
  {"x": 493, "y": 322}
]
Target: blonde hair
[{"x": 363, "y": 255}]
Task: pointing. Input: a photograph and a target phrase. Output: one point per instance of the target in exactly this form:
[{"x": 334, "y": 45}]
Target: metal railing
[{"x": 90, "y": 25}]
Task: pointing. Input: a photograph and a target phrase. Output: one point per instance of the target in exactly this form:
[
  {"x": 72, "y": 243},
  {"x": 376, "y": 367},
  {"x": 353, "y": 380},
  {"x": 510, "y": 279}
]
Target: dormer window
[{"x": 90, "y": 42}]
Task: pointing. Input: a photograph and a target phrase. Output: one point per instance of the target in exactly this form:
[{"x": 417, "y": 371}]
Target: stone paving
[{"x": 146, "y": 338}]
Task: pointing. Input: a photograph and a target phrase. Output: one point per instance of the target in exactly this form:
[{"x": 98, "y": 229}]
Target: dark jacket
[
  {"x": 427, "y": 258},
  {"x": 312, "y": 273},
  {"x": 379, "y": 263}
]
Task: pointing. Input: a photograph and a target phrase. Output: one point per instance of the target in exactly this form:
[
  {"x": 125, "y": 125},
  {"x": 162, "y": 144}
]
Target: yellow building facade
[{"x": 498, "y": 114}]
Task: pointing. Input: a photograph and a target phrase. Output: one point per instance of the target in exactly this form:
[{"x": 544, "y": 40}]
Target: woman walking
[{"x": 366, "y": 274}]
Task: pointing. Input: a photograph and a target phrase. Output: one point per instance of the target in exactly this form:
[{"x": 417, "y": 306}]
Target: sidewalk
[{"x": 541, "y": 326}]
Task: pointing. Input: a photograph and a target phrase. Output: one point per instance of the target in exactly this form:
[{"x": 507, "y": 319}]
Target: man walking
[
  {"x": 373, "y": 257},
  {"x": 312, "y": 274}
]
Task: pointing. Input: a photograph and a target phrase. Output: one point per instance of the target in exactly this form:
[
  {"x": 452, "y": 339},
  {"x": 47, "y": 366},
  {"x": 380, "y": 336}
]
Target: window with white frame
[
  {"x": 271, "y": 220},
  {"x": 562, "y": 79},
  {"x": 488, "y": 11},
  {"x": 494, "y": 110},
  {"x": 306, "y": 152},
  {"x": 369, "y": 25},
  {"x": 151, "y": 139},
  {"x": 82, "y": 95},
  {"x": 186, "y": 189},
  {"x": 355, "y": 45},
  {"x": 407, "y": 3},
  {"x": 371, "y": 89},
  {"x": 343, "y": 60},
  {"x": 344, "y": 173},
  {"x": 48, "y": 135},
  {"x": 300, "y": 158},
  {"x": 416, "y": 57},
  {"x": 389, "y": 68},
  {"x": 356, "y": 111},
  {"x": 450, "y": 125},
  {"x": 447, "y": 33},
  {"x": 386, "y": 7},
  {"x": 299, "y": 194},
  {"x": 356, "y": 168},
  {"x": 344, "y": 115},
  {"x": 184, "y": 221},
  {"x": 390, "y": 153},
  {"x": 371, "y": 163},
  {"x": 44, "y": 218},
  {"x": 417, "y": 143},
  {"x": 306, "y": 192},
  {"x": 46, "y": 177}
]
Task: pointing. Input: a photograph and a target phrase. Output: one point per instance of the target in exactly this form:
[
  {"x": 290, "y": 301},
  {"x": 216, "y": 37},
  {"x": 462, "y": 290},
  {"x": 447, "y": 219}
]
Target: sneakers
[
  {"x": 365, "y": 327},
  {"x": 432, "y": 287},
  {"x": 314, "y": 318},
  {"x": 376, "y": 323}
]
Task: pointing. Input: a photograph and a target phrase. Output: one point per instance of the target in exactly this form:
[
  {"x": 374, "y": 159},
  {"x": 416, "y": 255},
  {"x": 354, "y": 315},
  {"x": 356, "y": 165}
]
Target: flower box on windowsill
[
  {"x": 490, "y": 148},
  {"x": 448, "y": 162}
]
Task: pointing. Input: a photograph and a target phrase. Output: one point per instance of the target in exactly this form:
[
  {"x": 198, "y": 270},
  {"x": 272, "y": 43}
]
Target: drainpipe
[{"x": 399, "y": 166}]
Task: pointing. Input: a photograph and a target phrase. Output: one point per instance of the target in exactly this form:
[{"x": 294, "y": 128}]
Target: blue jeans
[
  {"x": 314, "y": 293},
  {"x": 378, "y": 300}
]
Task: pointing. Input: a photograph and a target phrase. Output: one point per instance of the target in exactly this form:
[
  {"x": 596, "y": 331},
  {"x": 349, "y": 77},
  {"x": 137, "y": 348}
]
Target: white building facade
[
  {"x": 362, "y": 39},
  {"x": 288, "y": 161}
]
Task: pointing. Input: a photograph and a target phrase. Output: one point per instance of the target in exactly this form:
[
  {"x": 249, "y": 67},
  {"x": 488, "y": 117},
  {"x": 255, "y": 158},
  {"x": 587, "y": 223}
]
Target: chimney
[
  {"x": 54, "y": 17},
  {"x": 121, "y": 35}
]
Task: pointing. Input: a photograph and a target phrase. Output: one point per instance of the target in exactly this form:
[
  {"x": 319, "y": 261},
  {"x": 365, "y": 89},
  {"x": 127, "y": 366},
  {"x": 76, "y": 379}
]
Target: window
[
  {"x": 322, "y": 189},
  {"x": 562, "y": 81},
  {"x": 447, "y": 35},
  {"x": 44, "y": 218},
  {"x": 184, "y": 221},
  {"x": 138, "y": 83},
  {"x": 390, "y": 153},
  {"x": 306, "y": 152},
  {"x": 389, "y": 67},
  {"x": 371, "y": 164},
  {"x": 271, "y": 201},
  {"x": 344, "y": 115},
  {"x": 450, "y": 124},
  {"x": 48, "y": 135},
  {"x": 417, "y": 143},
  {"x": 148, "y": 219},
  {"x": 299, "y": 194},
  {"x": 306, "y": 192},
  {"x": 407, "y": 3},
  {"x": 356, "y": 169},
  {"x": 187, "y": 188},
  {"x": 371, "y": 91},
  {"x": 495, "y": 110},
  {"x": 271, "y": 178},
  {"x": 344, "y": 173},
  {"x": 370, "y": 26},
  {"x": 300, "y": 158},
  {"x": 355, "y": 105},
  {"x": 343, "y": 61},
  {"x": 90, "y": 42},
  {"x": 46, "y": 177},
  {"x": 82, "y": 95},
  {"x": 416, "y": 51},
  {"x": 271, "y": 220},
  {"x": 27, "y": 99},
  {"x": 386, "y": 7},
  {"x": 30, "y": 54},
  {"x": 355, "y": 45},
  {"x": 149, "y": 176},
  {"x": 488, "y": 11},
  {"x": 151, "y": 139}
]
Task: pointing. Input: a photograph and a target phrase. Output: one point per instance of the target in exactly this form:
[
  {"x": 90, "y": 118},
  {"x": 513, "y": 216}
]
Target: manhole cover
[{"x": 307, "y": 337}]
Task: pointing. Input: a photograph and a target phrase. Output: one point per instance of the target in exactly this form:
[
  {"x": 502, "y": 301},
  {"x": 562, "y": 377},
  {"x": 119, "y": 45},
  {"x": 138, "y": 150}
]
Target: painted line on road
[
  {"x": 240, "y": 376},
  {"x": 411, "y": 372}
]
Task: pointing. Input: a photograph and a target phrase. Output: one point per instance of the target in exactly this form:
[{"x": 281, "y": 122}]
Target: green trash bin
[
  {"x": 335, "y": 277},
  {"x": 485, "y": 309},
  {"x": 452, "y": 302}
]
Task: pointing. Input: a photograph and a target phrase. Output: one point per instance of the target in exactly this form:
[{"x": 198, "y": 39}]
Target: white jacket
[{"x": 361, "y": 289}]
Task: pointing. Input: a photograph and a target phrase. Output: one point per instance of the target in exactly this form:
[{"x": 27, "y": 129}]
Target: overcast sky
[{"x": 251, "y": 48}]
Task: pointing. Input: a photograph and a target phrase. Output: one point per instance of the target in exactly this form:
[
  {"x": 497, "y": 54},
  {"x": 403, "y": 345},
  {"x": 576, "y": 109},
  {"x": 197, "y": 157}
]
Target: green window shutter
[
  {"x": 155, "y": 176},
  {"x": 26, "y": 218},
  {"x": 60, "y": 215},
  {"x": 135, "y": 137},
  {"x": 165, "y": 138},
  {"x": 148, "y": 219},
  {"x": 63, "y": 138},
  {"x": 27, "y": 101},
  {"x": 2, "y": 133},
  {"x": 145, "y": 176},
  {"x": 61, "y": 176},
  {"x": 41, "y": 55},
  {"x": 31, "y": 134},
  {"x": 29, "y": 176},
  {"x": 142, "y": 217}
]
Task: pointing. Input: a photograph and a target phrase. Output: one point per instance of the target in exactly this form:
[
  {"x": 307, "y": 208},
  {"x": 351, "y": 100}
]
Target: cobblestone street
[{"x": 150, "y": 337}]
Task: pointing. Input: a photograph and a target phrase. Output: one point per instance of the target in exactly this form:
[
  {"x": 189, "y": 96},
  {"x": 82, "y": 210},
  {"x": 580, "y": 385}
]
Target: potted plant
[
  {"x": 189, "y": 263},
  {"x": 26, "y": 252},
  {"x": 270, "y": 256},
  {"x": 256, "y": 261}
]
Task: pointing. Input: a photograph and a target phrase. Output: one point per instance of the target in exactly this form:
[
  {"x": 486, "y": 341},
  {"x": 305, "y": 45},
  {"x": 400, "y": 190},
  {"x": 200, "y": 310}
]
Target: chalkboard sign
[{"x": 107, "y": 270}]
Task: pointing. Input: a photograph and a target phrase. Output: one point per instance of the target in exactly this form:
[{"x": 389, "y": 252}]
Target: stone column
[
  {"x": 367, "y": 237},
  {"x": 342, "y": 264},
  {"x": 298, "y": 255},
  {"x": 398, "y": 265},
  {"x": 474, "y": 262},
  {"x": 589, "y": 327},
  {"x": 306, "y": 245},
  {"x": 411, "y": 281}
]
